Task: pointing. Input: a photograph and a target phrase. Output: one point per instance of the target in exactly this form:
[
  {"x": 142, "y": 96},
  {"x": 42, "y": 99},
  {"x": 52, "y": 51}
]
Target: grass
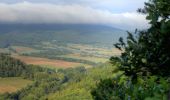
[{"x": 12, "y": 84}]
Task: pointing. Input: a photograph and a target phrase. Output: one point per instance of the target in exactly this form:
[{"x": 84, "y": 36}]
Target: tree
[
  {"x": 149, "y": 52},
  {"x": 145, "y": 60}
]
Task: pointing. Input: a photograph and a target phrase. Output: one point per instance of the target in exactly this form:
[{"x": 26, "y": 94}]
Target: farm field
[
  {"x": 55, "y": 55},
  {"x": 46, "y": 62},
  {"x": 12, "y": 84}
]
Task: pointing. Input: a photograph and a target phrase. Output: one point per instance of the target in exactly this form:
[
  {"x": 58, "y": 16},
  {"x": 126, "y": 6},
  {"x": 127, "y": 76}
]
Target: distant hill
[{"x": 28, "y": 34}]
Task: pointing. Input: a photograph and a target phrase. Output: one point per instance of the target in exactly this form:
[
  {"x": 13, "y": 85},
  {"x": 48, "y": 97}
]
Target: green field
[{"x": 12, "y": 84}]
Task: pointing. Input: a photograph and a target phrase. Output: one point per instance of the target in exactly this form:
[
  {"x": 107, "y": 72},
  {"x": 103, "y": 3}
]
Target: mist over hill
[{"x": 28, "y": 34}]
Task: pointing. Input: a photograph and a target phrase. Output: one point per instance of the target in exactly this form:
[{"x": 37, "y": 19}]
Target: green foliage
[
  {"x": 10, "y": 67},
  {"x": 144, "y": 56},
  {"x": 73, "y": 74},
  {"x": 46, "y": 82},
  {"x": 145, "y": 60},
  {"x": 81, "y": 90},
  {"x": 148, "y": 88},
  {"x": 148, "y": 52}
]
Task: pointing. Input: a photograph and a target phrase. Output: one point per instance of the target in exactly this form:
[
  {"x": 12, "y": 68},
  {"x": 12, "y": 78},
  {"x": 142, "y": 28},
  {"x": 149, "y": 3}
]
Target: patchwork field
[
  {"x": 46, "y": 62},
  {"x": 12, "y": 84},
  {"x": 62, "y": 55}
]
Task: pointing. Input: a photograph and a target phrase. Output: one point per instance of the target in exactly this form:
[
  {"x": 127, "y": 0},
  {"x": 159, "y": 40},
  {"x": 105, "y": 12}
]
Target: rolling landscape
[
  {"x": 84, "y": 50},
  {"x": 58, "y": 47}
]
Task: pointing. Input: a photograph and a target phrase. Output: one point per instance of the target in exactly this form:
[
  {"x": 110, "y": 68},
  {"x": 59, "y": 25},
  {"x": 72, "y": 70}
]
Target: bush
[{"x": 147, "y": 88}]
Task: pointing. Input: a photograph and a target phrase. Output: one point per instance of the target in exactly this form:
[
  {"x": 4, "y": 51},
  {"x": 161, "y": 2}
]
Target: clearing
[{"x": 12, "y": 84}]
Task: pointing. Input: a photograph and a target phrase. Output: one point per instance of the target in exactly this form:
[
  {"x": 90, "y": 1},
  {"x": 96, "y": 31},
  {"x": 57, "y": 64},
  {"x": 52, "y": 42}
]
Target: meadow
[{"x": 12, "y": 84}]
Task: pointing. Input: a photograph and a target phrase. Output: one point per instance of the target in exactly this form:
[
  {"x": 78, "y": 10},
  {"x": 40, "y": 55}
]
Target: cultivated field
[
  {"x": 12, "y": 84},
  {"x": 54, "y": 55},
  {"x": 47, "y": 62}
]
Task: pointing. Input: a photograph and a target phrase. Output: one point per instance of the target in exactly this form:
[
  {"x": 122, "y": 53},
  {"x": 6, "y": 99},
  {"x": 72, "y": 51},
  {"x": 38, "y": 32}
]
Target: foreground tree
[
  {"x": 145, "y": 60},
  {"x": 149, "y": 52}
]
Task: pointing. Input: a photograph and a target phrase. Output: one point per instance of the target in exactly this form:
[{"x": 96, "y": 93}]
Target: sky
[{"x": 116, "y": 13}]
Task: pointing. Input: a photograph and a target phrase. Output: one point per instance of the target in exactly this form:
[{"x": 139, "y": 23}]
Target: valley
[
  {"x": 84, "y": 50},
  {"x": 55, "y": 60},
  {"x": 65, "y": 56},
  {"x": 60, "y": 46}
]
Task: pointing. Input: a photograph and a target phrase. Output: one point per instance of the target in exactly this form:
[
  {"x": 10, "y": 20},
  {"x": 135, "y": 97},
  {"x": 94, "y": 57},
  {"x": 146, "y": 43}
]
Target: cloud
[
  {"x": 38, "y": 13},
  {"x": 112, "y": 5}
]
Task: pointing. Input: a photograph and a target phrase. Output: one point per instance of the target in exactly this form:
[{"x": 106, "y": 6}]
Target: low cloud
[{"x": 39, "y": 13}]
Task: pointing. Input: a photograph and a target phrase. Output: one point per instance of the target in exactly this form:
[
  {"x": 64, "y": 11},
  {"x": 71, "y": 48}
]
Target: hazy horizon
[{"x": 119, "y": 14}]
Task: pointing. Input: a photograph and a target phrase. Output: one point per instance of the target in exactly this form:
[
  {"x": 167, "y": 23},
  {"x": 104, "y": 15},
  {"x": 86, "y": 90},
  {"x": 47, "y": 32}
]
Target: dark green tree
[
  {"x": 148, "y": 53},
  {"x": 145, "y": 60}
]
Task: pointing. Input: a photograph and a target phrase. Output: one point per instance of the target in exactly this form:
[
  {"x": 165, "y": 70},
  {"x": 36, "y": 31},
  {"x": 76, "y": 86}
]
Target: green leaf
[{"x": 144, "y": 60}]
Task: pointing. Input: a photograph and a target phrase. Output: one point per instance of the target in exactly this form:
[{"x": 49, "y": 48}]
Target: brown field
[
  {"x": 12, "y": 84},
  {"x": 45, "y": 61}
]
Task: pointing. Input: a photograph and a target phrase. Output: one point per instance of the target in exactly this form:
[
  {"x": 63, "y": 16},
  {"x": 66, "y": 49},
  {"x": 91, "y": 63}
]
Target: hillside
[
  {"x": 60, "y": 45},
  {"x": 29, "y": 34},
  {"x": 81, "y": 90},
  {"x": 63, "y": 84}
]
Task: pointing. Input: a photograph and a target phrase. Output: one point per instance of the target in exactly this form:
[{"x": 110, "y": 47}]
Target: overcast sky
[{"x": 117, "y": 13}]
